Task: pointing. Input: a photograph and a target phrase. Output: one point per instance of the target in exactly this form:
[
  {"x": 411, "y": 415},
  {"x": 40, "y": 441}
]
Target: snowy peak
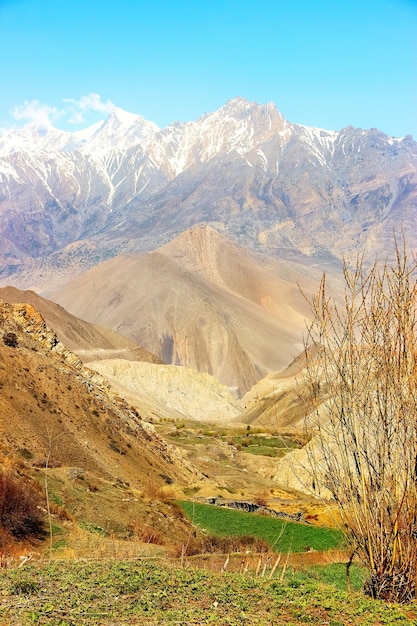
[
  {"x": 121, "y": 117},
  {"x": 247, "y": 119},
  {"x": 120, "y": 130},
  {"x": 240, "y": 108},
  {"x": 269, "y": 184},
  {"x": 84, "y": 135},
  {"x": 240, "y": 126},
  {"x": 33, "y": 137},
  {"x": 237, "y": 127},
  {"x": 120, "y": 124}
]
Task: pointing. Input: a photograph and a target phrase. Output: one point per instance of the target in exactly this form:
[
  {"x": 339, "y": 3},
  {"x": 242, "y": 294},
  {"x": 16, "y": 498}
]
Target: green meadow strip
[{"x": 280, "y": 534}]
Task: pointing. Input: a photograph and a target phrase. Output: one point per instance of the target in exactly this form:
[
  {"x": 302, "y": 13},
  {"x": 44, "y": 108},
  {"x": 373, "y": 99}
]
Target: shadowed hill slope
[{"x": 274, "y": 402}]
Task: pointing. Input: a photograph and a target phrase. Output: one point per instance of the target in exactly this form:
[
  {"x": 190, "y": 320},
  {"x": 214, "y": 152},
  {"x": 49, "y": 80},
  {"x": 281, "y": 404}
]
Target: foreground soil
[{"x": 152, "y": 591}]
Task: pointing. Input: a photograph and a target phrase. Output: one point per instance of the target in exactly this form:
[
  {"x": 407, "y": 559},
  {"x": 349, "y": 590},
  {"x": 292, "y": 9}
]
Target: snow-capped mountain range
[{"x": 125, "y": 184}]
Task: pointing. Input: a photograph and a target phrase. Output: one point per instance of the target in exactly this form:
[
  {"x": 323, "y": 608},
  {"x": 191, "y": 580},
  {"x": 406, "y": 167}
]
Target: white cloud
[
  {"x": 75, "y": 117},
  {"x": 86, "y": 104},
  {"x": 74, "y": 111},
  {"x": 37, "y": 112}
]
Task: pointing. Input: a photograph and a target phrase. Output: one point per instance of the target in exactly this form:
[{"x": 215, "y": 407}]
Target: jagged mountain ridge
[{"x": 267, "y": 184}]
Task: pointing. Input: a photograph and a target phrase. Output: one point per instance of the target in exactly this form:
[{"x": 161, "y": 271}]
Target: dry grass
[
  {"x": 210, "y": 544},
  {"x": 146, "y": 533},
  {"x": 166, "y": 493}
]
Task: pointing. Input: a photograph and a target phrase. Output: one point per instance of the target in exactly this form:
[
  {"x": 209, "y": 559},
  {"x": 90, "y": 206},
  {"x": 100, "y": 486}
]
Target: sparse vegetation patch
[
  {"x": 256, "y": 442},
  {"x": 265, "y": 445}
]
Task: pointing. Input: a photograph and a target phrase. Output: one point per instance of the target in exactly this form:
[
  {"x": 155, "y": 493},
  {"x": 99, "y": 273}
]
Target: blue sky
[{"x": 324, "y": 63}]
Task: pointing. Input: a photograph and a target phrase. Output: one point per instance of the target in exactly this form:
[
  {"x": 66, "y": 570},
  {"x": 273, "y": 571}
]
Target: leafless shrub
[
  {"x": 6, "y": 543},
  {"x": 362, "y": 410},
  {"x": 19, "y": 508},
  {"x": 261, "y": 499},
  {"x": 10, "y": 340}
]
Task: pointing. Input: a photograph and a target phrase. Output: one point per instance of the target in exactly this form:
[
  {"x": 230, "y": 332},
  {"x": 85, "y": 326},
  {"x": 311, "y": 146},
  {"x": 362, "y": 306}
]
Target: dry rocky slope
[
  {"x": 203, "y": 302},
  {"x": 70, "y": 200},
  {"x": 99, "y": 447},
  {"x": 157, "y": 391},
  {"x": 105, "y": 464}
]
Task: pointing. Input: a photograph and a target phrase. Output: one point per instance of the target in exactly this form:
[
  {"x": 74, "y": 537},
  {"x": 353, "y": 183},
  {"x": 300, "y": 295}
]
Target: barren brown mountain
[
  {"x": 103, "y": 459},
  {"x": 200, "y": 301},
  {"x": 89, "y": 341}
]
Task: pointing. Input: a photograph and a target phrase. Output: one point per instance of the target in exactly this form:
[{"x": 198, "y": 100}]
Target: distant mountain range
[{"x": 71, "y": 200}]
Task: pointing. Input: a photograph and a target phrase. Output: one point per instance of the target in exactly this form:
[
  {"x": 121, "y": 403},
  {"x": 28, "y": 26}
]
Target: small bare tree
[{"x": 362, "y": 415}]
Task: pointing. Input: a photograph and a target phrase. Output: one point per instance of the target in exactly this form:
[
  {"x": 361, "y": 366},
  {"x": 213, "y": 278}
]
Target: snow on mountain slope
[
  {"x": 273, "y": 186},
  {"x": 34, "y": 137},
  {"x": 121, "y": 129},
  {"x": 237, "y": 127}
]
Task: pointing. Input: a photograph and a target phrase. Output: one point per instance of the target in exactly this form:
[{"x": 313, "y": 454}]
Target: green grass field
[
  {"x": 276, "y": 447},
  {"x": 151, "y": 592},
  {"x": 281, "y": 535}
]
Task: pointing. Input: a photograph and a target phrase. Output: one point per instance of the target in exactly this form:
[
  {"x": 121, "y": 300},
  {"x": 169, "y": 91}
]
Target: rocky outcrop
[{"x": 252, "y": 507}]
